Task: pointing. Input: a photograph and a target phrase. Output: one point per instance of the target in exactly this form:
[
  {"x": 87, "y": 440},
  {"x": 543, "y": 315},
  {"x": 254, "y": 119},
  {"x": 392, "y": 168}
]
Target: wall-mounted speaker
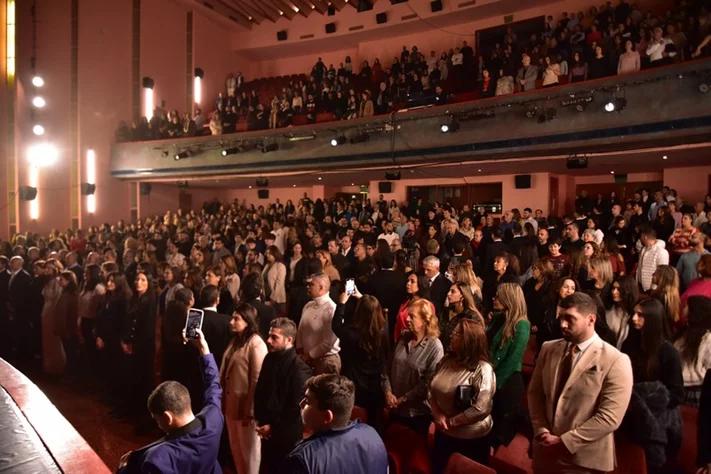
[
  {"x": 281, "y": 35},
  {"x": 331, "y": 10},
  {"x": 145, "y": 189},
  {"x": 263, "y": 193},
  {"x": 620, "y": 179},
  {"x": 381, "y": 18},
  {"x": 523, "y": 181},
  {"x": 330, "y": 28},
  {"x": 436, "y": 6},
  {"x": 148, "y": 83},
  {"x": 364, "y": 6},
  {"x": 385, "y": 187},
  {"x": 87, "y": 189},
  {"x": 27, "y": 193},
  {"x": 577, "y": 163}
]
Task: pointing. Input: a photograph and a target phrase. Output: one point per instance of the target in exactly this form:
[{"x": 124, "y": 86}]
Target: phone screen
[
  {"x": 194, "y": 321},
  {"x": 350, "y": 286}
]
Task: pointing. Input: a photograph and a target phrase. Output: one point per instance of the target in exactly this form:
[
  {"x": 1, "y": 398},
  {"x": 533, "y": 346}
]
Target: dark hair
[
  {"x": 423, "y": 285},
  {"x": 699, "y": 325},
  {"x": 580, "y": 301},
  {"x": 274, "y": 250},
  {"x": 252, "y": 286},
  {"x": 387, "y": 259},
  {"x": 629, "y": 293},
  {"x": 646, "y": 230},
  {"x": 475, "y": 346},
  {"x": 250, "y": 316},
  {"x": 653, "y": 334},
  {"x": 92, "y": 278},
  {"x": 285, "y": 325},
  {"x": 209, "y": 295},
  {"x": 122, "y": 291},
  {"x": 497, "y": 233},
  {"x": 334, "y": 393},
  {"x": 169, "y": 396},
  {"x": 183, "y": 295},
  {"x": 368, "y": 321},
  {"x": 69, "y": 276}
]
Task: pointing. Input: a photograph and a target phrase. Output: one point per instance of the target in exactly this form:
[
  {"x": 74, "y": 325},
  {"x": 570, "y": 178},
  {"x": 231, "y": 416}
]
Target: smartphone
[
  {"x": 193, "y": 322},
  {"x": 350, "y": 286}
]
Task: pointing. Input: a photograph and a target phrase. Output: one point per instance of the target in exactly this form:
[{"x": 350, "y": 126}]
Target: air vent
[
  {"x": 305, "y": 37},
  {"x": 355, "y": 28},
  {"x": 208, "y": 5},
  {"x": 467, "y": 4},
  {"x": 409, "y": 17}
]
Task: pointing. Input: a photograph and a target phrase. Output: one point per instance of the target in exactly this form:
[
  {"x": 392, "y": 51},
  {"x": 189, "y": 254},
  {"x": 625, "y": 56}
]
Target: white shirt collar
[
  {"x": 322, "y": 299},
  {"x": 583, "y": 346},
  {"x": 434, "y": 278},
  {"x": 211, "y": 308}
]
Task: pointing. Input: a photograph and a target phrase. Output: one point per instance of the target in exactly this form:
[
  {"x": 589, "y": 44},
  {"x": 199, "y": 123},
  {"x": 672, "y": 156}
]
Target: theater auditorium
[{"x": 355, "y": 236}]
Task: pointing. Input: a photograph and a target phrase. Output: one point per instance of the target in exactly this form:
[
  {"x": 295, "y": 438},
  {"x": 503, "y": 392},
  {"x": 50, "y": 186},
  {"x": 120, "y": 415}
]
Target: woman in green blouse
[{"x": 508, "y": 334}]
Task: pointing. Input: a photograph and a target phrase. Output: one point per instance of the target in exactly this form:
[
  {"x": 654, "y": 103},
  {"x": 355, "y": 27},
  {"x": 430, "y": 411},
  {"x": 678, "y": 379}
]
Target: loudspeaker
[
  {"x": 364, "y": 6},
  {"x": 577, "y": 163},
  {"x": 436, "y": 6},
  {"x": 331, "y": 10},
  {"x": 262, "y": 182},
  {"x": 87, "y": 189},
  {"x": 281, "y": 35},
  {"x": 523, "y": 181},
  {"x": 620, "y": 179},
  {"x": 392, "y": 175},
  {"x": 27, "y": 193},
  {"x": 385, "y": 187},
  {"x": 148, "y": 83},
  {"x": 381, "y": 18},
  {"x": 330, "y": 28},
  {"x": 263, "y": 193},
  {"x": 145, "y": 189}
]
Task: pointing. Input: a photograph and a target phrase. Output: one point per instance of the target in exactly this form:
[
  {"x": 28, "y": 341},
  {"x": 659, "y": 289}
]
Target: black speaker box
[
  {"x": 263, "y": 193},
  {"x": 385, "y": 187},
  {"x": 364, "y": 6},
  {"x": 381, "y": 18},
  {"x": 148, "y": 83},
  {"x": 331, "y": 10},
  {"x": 330, "y": 28},
  {"x": 436, "y": 6},
  {"x": 577, "y": 163},
  {"x": 281, "y": 35},
  {"x": 523, "y": 181},
  {"x": 87, "y": 189},
  {"x": 27, "y": 193},
  {"x": 145, "y": 189}
]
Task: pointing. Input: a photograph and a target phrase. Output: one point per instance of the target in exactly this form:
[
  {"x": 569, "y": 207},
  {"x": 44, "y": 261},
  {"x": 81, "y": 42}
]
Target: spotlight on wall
[
  {"x": 37, "y": 81},
  {"x": 148, "y": 84},
  {"x": 338, "y": 140},
  {"x": 451, "y": 126},
  {"x": 531, "y": 111},
  {"x": 360, "y": 138},
  {"x": 230, "y": 151},
  {"x": 38, "y": 130},
  {"x": 182, "y": 155},
  {"x": 617, "y": 104},
  {"x": 197, "y": 85},
  {"x": 39, "y": 102},
  {"x": 42, "y": 155},
  {"x": 271, "y": 147}
]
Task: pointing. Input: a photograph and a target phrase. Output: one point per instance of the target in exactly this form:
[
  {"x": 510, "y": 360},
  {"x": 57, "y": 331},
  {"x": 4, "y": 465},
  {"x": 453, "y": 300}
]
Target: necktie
[{"x": 566, "y": 366}]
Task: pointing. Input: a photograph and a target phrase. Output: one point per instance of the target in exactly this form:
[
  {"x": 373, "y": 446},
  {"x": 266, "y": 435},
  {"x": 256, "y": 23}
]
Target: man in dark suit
[
  {"x": 439, "y": 285},
  {"x": 338, "y": 259},
  {"x": 494, "y": 248},
  {"x": 348, "y": 252},
  {"x": 191, "y": 441},
  {"x": 252, "y": 291},
  {"x": 215, "y": 326},
  {"x": 517, "y": 241},
  {"x": 19, "y": 291},
  {"x": 74, "y": 267},
  {"x": 278, "y": 394},
  {"x": 388, "y": 287}
]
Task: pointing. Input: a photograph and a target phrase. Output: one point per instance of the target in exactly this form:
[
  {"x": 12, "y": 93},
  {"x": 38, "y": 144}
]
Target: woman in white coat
[
  {"x": 274, "y": 275},
  {"x": 239, "y": 373}
]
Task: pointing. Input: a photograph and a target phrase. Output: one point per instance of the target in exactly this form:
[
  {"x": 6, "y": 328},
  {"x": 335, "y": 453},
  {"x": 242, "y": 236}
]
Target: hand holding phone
[
  {"x": 193, "y": 322},
  {"x": 350, "y": 286}
]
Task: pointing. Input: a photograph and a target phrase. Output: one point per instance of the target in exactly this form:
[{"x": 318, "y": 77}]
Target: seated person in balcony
[
  {"x": 415, "y": 89},
  {"x": 352, "y": 111},
  {"x": 339, "y": 105},
  {"x": 175, "y": 129},
  {"x": 629, "y": 60},
  {"x": 199, "y": 120},
  {"x": 551, "y": 72},
  {"x": 252, "y": 118},
  {"x": 188, "y": 125},
  {"x": 661, "y": 50},
  {"x": 366, "y": 106},
  {"x": 526, "y": 77},
  {"x": 440, "y": 97},
  {"x": 274, "y": 113},
  {"x": 229, "y": 122},
  {"x": 311, "y": 109},
  {"x": 486, "y": 88},
  {"x": 216, "y": 124},
  {"x": 297, "y": 103},
  {"x": 505, "y": 83},
  {"x": 384, "y": 101},
  {"x": 262, "y": 118}
]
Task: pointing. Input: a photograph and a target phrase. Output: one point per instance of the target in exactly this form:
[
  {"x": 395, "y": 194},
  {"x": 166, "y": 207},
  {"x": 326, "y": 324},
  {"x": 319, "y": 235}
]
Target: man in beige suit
[{"x": 578, "y": 395}]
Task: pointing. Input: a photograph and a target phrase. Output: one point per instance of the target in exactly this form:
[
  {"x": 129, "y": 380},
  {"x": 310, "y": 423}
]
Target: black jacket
[
  {"x": 19, "y": 292},
  {"x": 265, "y": 314},
  {"x": 216, "y": 328},
  {"x": 388, "y": 287},
  {"x": 703, "y": 438},
  {"x": 492, "y": 250},
  {"x": 438, "y": 292}
]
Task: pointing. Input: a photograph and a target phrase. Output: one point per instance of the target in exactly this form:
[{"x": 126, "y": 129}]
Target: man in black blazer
[
  {"x": 388, "y": 287},
  {"x": 439, "y": 285},
  {"x": 339, "y": 261},
  {"x": 215, "y": 326},
  {"x": 19, "y": 291},
  {"x": 348, "y": 252},
  {"x": 252, "y": 289},
  {"x": 494, "y": 248}
]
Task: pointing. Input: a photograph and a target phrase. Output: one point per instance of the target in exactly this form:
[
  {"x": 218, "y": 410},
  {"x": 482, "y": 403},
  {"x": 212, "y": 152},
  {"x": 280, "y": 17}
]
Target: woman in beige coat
[
  {"x": 239, "y": 373},
  {"x": 274, "y": 275}
]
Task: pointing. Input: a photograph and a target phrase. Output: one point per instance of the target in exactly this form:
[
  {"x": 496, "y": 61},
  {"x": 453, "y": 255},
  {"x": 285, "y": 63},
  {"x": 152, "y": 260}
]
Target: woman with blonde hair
[
  {"x": 601, "y": 277},
  {"x": 462, "y": 272},
  {"x": 508, "y": 333},
  {"x": 410, "y": 368},
  {"x": 665, "y": 289},
  {"x": 325, "y": 257},
  {"x": 228, "y": 265}
]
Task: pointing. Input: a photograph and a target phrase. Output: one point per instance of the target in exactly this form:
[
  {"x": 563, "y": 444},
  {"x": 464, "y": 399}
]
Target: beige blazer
[
  {"x": 276, "y": 280},
  {"x": 239, "y": 376},
  {"x": 591, "y": 406}
]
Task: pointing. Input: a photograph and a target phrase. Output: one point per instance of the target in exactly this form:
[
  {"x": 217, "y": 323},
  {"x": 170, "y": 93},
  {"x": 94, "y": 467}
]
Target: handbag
[{"x": 465, "y": 395}]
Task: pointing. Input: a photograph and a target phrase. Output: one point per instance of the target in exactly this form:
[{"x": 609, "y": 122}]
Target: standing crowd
[{"x": 415, "y": 314}]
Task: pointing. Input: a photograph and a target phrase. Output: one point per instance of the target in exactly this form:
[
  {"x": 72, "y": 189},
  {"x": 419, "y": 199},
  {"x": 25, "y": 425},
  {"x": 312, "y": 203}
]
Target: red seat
[
  {"x": 630, "y": 457},
  {"x": 687, "y": 455},
  {"x": 459, "y": 464},
  {"x": 359, "y": 414},
  {"x": 408, "y": 452},
  {"x": 502, "y": 467}
]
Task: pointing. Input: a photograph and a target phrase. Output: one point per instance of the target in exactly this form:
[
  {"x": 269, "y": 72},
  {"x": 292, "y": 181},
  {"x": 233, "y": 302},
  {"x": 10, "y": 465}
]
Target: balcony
[{"x": 662, "y": 107}]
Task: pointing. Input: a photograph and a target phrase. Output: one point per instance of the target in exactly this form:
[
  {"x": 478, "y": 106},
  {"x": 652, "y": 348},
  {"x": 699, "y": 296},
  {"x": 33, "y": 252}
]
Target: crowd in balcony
[
  {"x": 576, "y": 47},
  {"x": 429, "y": 312}
]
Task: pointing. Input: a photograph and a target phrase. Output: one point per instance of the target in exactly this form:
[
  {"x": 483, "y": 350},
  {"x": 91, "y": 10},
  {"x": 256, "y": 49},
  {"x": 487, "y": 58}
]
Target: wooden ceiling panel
[
  {"x": 339, "y": 4},
  {"x": 241, "y": 5},
  {"x": 267, "y": 9},
  {"x": 284, "y": 7},
  {"x": 303, "y": 6},
  {"x": 321, "y": 6}
]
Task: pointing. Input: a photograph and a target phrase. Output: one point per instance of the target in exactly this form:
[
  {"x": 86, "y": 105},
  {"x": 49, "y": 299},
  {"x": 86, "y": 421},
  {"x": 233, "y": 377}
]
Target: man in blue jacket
[
  {"x": 192, "y": 441},
  {"x": 337, "y": 446}
]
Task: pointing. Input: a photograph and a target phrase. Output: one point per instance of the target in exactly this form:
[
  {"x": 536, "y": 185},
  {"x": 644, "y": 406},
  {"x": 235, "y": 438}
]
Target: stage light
[
  {"x": 38, "y": 130},
  {"x": 271, "y": 147},
  {"x": 616, "y": 105},
  {"x": 230, "y": 151},
  {"x": 531, "y": 112},
  {"x": 338, "y": 140},
  {"x": 444, "y": 128},
  {"x": 39, "y": 102},
  {"x": 548, "y": 115},
  {"x": 197, "y": 90},
  {"x": 148, "y": 84},
  {"x": 450, "y": 127},
  {"x": 360, "y": 138},
  {"x": 42, "y": 155},
  {"x": 37, "y": 81},
  {"x": 704, "y": 88},
  {"x": 182, "y": 155},
  {"x": 610, "y": 107},
  {"x": 91, "y": 180}
]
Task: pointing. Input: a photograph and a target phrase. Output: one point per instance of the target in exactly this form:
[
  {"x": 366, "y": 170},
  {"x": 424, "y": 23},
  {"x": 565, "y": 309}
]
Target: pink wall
[
  {"x": 692, "y": 184},
  {"x": 211, "y": 52},
  {"x": 249, "y": 196},
  {"x": 610, "y": 178}
]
